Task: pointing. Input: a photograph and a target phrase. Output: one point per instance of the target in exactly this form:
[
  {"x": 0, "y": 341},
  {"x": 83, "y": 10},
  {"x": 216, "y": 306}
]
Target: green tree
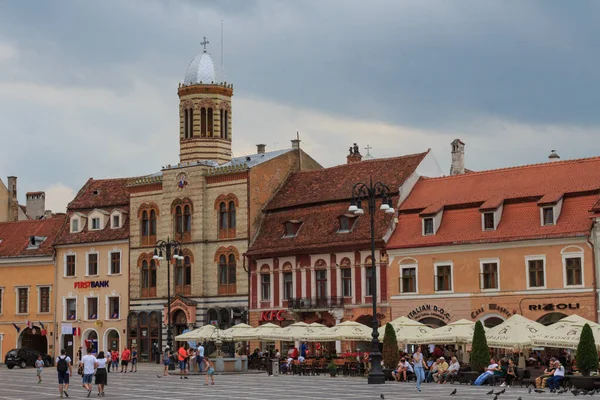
[
  {"x": 480, "y": 352},
  {"x": 587, "y": 355},
  {"x": 391, "y": 354}
]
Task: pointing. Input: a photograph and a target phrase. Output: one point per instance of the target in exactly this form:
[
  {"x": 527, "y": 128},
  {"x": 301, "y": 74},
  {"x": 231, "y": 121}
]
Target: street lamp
[
  {"x": 172, "y": 249},
  {"x": 370, "y": 193}
]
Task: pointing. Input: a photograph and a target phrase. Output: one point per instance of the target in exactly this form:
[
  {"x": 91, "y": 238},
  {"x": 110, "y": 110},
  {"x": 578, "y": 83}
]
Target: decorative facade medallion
[{"x": 182, "y": 181}]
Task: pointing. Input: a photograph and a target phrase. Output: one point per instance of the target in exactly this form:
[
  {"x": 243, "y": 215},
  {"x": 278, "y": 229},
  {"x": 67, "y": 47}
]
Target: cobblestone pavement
[{"x": 22, "y": 384}]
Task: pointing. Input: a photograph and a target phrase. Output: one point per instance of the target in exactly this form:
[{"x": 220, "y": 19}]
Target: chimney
[
  {"x": 458, "y": 157},
  {"x": 47, "y": 214},
  {"x": 13, "y": 203},
  {"x": 260, "y": 148},
  {"x": 36, "y": 204},
  {"x": 354, "y": 155},
  {"x": 553, "y": 156}
]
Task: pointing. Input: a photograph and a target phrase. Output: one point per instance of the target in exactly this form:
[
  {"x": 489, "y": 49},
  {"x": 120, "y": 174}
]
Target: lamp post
[
  {"x": 370, "y": 193},
  {"x": 172, "y": 250}
]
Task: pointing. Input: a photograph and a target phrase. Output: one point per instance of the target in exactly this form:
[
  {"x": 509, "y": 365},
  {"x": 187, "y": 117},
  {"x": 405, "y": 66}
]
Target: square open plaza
[{"x": 311, "y": 260}]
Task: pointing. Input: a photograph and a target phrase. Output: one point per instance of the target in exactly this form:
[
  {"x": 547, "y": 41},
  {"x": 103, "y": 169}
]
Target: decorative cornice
[
  {"x": 225, "y": 89},
  {"x": 227, "y": 169},
  {"x": 145, "y": 180}
]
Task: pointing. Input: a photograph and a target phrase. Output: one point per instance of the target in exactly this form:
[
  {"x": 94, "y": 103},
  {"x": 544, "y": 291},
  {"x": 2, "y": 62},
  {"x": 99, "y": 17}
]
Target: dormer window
[
  {"x": 116, "y": 221},
  {"x": 35, "y": 242},
  {"x": 75, "y": 225},
  {"x": 346, "y": 223},
  {"x": 291, "y": 228},
  {"x": 488, "y": 221},
  {"x": 548, "y": 215},
  {"x": 95, "y": 223},
  {"x": 427, "y": 226}
]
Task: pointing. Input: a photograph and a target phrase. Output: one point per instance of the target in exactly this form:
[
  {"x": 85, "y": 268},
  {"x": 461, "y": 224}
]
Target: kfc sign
[{"x": 272, "y": 315}]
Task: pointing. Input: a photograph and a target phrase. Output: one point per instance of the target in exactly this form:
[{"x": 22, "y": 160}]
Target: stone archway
[
  {"x": 33, "y": 339},
  {"x": 550, "y": 318},
  {"x": 180, "y": 323},
  {"x": 432, "y": 322},
  {"x": 112, "y": 340}
]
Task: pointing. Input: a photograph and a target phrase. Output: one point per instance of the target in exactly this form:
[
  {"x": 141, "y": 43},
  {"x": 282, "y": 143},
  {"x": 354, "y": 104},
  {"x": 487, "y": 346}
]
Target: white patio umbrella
[
  {"x": 237, "y": 330},
  {"x": 566, "y": 332},
  {"x": 458, "y": 332},
  {"x": 206, "y": 333},
  {"x": 407, "y": 330},
  {"x": 515, "y": 333},
  {"x": 256, "y": 333},
  {"x": 348, "y": 330},
  {"x": 297, "y": 331}
]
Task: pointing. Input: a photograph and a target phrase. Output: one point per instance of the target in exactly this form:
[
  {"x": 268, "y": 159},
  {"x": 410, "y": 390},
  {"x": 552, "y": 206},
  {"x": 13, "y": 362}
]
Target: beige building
[
  {"x": 92, "y": 269},
  {"x": 209, "y": 202},
  {"x": 11, "y": 210}
]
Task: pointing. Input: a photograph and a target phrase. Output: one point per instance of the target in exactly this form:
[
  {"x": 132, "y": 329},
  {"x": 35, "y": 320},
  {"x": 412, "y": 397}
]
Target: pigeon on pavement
[
  {"x": 453, "y": 392},
  {"x": 382, "y": 396},
  {"x": 490, "y": 392}
]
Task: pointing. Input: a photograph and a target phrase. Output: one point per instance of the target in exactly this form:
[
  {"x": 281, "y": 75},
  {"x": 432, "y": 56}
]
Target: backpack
[{"x": 62, "y": 365}]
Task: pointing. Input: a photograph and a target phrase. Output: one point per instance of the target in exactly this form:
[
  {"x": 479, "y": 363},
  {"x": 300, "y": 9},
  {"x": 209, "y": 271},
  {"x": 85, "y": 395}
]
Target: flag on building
[
  {"x": 29, "y": 324},
  {"x": 76, "y": 331},
  {"x": 17, "y": 328}
]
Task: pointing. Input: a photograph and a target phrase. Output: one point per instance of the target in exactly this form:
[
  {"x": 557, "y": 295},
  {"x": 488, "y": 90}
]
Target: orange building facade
[{"x": 487, "y": 245}]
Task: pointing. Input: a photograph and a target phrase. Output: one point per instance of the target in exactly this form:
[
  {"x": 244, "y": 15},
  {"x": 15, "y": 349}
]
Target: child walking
[
  {"x": 210, "y": 371},
  {"x": 39, "y": 364}
]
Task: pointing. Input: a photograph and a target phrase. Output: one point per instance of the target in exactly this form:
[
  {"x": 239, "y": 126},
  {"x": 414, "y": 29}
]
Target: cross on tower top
[
  {"x": 204, "y": 43},
  {"x": 367, "y": 149}
]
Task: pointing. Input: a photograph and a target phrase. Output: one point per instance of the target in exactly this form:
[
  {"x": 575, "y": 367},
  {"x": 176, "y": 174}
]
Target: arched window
[
  {"x": 222, "y": 216},
  {"x": 203, "y": 122},
  {"x": 148, "y": 278},
  {"x": 191, "y": 119},
  {"x": 153, "y": 223},
  {"x": 232, "y": 269},
  {"x": 185, "y": 124},
  {"x": 222, "y": 270},
  {"x": 209, "y": 128},
  {"x": 145, "y": 224},
  {"x": 222, "y": 113},
  {"x": 226, "y": 125},
  {"x": 178, "y": 220},
  {"x": 187, "y": 219},
  {"x": 183, "y": 276},
  {"x": 231, "y": 215},
  {"x": 227, "y": 274}
]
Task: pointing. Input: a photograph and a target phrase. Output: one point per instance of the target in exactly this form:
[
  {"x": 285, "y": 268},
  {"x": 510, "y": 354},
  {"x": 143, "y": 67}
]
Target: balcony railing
[{"x": 320, "y": 303}]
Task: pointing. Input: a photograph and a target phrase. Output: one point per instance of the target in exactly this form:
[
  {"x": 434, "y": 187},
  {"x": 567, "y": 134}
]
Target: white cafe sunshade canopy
[
  {"x": 207, "y": 333},
  {"x": 348, "y": 330},
  {"x": 407, "y": 330},
  {"x": 460, "y": 331},
  {"x": 298, "y": 331},
  {"x": 237, "y": 331},
  {"x": 566, "y": 332},
  {"x": 515, "y": 333},
  {"x": 257, "y": 333}
]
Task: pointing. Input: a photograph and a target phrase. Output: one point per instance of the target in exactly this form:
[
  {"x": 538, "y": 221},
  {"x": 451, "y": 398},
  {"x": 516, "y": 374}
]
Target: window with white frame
[
  {"x": 265, "y": 287},
  {"x": 573, "y": 270},
  {"x": 116, "y": 221},
  {"x": 92, "y": 264},
  {"x": 75, "y": 225},
  {"x": 346, "y": 282},
  {"x": 288, "y": 285},
  {"x": 22, "y": 300},
  {"x": 95, "y": 223},
  {"x": 43, "y": 299},
  {"x": 488, "y": 221},
  {"x": 548, "y": 215},
  {"x": 115, "y": 263},
  {"x": 369, "y": 281},
  {"x": 92, "y": 308},
  {"x": 443, "y": 278},
  {"x": 408, "y": 279},
  {"x": 71, "y": 309},
  {"x": 489, "y": 275},
  {"x": 427, "y": 226},
  {"x": 113, "y": 307},
  {"x": 536, "y": 273},
  {"x": 70, "y": 265}
]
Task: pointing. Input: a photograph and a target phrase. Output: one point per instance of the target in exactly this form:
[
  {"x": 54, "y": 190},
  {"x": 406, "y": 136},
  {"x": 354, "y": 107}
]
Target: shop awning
[
  {"x": 348, "y": 330},
  {"x": 515, "y": 333},
  {"x": 458, "y": 332},
  {"x": 407, "y": 330}
]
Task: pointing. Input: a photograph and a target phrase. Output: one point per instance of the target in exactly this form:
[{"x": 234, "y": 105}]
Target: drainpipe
[
  {"x": 249, "y": 285},
  {"x": 594, "y": 275}
]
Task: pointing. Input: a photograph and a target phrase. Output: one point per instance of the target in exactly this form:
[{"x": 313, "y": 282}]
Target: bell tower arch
[{"x": 205, "y": 111}]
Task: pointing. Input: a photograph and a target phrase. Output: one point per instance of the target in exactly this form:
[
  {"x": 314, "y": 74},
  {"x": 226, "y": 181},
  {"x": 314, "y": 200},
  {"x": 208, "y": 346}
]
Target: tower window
[
  {"x": 191, "y": 122},
  {"x": 209, "y": 128},
  {"x": 186, "y": 134},
  {"x": 222, "y": 113},
  {"x": 203, "y": 122},
  {"x": 226, "y": 124}
]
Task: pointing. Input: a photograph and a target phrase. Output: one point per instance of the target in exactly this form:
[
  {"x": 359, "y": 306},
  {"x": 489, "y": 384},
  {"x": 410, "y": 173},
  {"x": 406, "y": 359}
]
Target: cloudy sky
[{"x": 89, "y": 89}]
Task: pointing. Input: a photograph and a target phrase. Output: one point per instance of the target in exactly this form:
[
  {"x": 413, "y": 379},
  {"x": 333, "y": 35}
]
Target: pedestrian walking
[
  {"x": 39, "y": 365},
  {"x": 418, "y": 367},
  {"x": 101, "y": 375},
  {"x": 134, "y": 357},
  {"x": 182, "y": 356},
  {"x": 63, "y": 367},
  {"x": 89, "y": 364},
  {"x": 210, "y": 371},
  {"x": 200, "y": 356},
  {"x": 166, "y": 360}
]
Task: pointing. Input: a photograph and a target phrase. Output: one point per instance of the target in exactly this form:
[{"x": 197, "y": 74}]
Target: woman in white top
[{"x": 101, "y": 375}]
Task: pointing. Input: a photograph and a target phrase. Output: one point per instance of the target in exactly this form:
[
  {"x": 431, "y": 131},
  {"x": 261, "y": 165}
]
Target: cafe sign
[
  {"x": 90, "y": 284},
  {"x": 493, "y": 308},
  {"x": 553, "y": 306},
  {"x": 429, "y": 310},
  {"x": 272, "y": 315}
]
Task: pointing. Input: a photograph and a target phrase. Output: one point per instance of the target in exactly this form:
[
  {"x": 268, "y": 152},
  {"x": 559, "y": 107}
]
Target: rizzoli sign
[{"x": 553, "y": 306}]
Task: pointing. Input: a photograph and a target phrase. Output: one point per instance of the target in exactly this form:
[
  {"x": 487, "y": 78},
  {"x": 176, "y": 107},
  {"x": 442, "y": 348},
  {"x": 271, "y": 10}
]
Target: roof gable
[
  {"x": 101, "y": 193},
  {"x": 14, "y": 237}
]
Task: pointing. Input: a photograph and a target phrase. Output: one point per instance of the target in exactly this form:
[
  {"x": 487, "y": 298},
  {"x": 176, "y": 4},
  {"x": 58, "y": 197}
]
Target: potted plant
[
  {"x": 391, "y": 354},
  {"x": 587, "y": 360},
  {"x": 480, "y": 354},
  {"x": 332, "y": 368}
]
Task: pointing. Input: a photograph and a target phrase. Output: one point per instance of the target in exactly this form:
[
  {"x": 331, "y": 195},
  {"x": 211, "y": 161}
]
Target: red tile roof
[
  {"x": 319, "y": 198},
  {"x": 335, "y": 183},
  {"x": 103, "y": 194},
  {"x": 536, "y": 180},
  {"x": 519, "y": 221},
  {"x": 14, "y": 237}
]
